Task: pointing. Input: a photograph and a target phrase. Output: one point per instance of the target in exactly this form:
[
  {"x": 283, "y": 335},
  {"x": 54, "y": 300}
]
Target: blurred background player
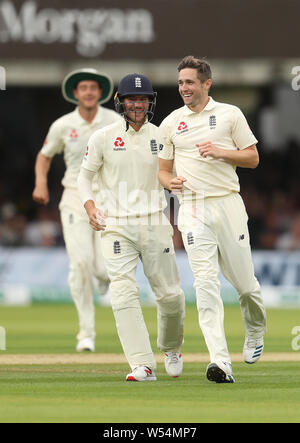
[
  {"x": 208, "y": 140},
  {"x": 125, "y": 156},
  {"x": 88, "y": 89}
]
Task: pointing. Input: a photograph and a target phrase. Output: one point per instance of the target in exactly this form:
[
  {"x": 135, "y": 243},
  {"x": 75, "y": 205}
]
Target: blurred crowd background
[{"x": 252, "y": 76}]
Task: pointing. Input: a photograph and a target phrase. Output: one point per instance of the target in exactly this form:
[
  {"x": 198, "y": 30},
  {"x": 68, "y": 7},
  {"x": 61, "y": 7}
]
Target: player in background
[
  {"x": 208, "y": 140},
  {"x": 88, "y": 89},
  {"x": 130, "y": 215}
]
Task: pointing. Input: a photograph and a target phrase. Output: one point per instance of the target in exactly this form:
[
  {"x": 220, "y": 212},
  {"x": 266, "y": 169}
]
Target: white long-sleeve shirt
[{"x": 127, "y": 166}]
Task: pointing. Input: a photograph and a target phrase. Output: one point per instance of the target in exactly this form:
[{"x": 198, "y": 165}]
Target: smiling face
[
  {"x": 88, "y": 93},
  {"x": 194, "y": 93},
  {"x": 136, "y": 108}
]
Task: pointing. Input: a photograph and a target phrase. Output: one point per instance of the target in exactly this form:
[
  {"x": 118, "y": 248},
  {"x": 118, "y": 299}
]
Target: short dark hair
[{"x": 200, "y": 64}]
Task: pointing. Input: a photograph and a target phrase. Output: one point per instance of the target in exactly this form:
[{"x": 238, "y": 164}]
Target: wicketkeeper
[{"x": 130, "y": 215}]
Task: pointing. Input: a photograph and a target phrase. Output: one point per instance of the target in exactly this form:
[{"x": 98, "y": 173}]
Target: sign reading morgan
[{"x": 88, "y": 30}]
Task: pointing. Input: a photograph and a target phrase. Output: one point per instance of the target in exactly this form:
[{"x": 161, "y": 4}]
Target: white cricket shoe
[
  {"x": 86, "y": 344},
  {"x": 173, "y": 363},
  {"x": 220, "y": 372},
  {"x": 141, "y": 373},
  {"x": 253, "y": 348}
]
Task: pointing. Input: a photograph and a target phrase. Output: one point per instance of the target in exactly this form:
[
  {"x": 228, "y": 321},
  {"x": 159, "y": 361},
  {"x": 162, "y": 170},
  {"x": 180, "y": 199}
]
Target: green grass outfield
[{"x": 268, "y": 391}]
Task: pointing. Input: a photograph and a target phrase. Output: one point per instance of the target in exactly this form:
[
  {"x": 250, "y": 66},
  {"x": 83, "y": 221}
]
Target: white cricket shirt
[
  {"x": 223, "y": 125},
  {"x": 69, "y": 135},
  {"x": 127, "y": 165}
]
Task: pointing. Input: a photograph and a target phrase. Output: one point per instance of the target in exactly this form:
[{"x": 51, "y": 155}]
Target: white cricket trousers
[
  {"x": 122, "y": 247},
  {"x": 83, "y": 246},
  {"x": 216, "y": 235}
]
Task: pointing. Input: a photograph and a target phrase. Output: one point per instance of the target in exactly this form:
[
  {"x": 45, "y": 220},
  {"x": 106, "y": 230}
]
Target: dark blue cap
[{"x": 135, "y": 84}]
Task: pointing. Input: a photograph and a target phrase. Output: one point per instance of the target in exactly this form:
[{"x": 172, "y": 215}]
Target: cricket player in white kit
[
  {"x": 208, "y": 140},
  {"x": 88, "y": 89},
  {"x": 130, "y": 214}
]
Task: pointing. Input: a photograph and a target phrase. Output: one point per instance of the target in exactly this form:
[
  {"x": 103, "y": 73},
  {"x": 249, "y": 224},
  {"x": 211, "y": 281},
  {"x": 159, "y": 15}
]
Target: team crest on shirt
[
  {"x": 119, "y": 144},
  {"x": 182, "y": 127},
  {"x": 212, "y": 121},
  {"x": 73, "y": 134},
  {"x": 154, "y": 147}
]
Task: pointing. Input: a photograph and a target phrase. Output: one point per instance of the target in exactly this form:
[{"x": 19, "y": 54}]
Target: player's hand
[
  {"x": 41, "y": 194},
  {"x": 176, "y": 184},
  {"x": 97, "y": 219},
  {"x": 208, "y": 149}
]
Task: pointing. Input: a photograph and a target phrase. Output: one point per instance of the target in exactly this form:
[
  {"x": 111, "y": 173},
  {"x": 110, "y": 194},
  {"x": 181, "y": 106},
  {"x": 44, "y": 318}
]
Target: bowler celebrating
[{"x": 208, "y": 140}]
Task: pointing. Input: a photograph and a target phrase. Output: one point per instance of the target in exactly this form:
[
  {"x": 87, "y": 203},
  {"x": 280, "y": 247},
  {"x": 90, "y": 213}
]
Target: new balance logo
[
  {"x": 138, "y": 82},
  {"x": 190, "y": 238},
  {"x": 117, "y": 247},
  {"x": 241, "y": 237},
  {"x": 212, "y": 121},
  {"x": 166, "y": 250}
]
